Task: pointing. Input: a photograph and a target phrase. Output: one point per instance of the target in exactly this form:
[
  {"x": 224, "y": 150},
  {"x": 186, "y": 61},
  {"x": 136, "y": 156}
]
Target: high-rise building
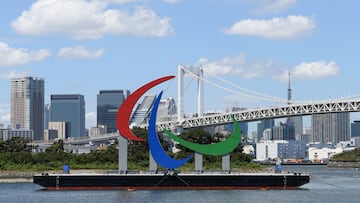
[
  {"x": 264, "y": 124},
  {"x": 166, "y": 110},
  {"x": 47, "y": 116},
  {"x": 108, "y": 102},
  {"x": 289, "y": 129},
  {"x": 355, "y": 129},
  {"x": 27, "y": 105},
  {"x": 69, "y": 108},
  {"x": 141, "y": 114},
  {"x": 330, "y": 127},
  {"x": 278, "y": 132}
]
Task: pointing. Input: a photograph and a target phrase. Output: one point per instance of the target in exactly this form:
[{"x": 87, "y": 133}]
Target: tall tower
[
  {"x": 289, "y": 91},
  {"x": 27, "y": 105},
  {"x": 198, "y": 73},
  {"x": 108, "y": 102},
  {"x": 297, "y": 120},
  {"x": 69, "y": 108}
]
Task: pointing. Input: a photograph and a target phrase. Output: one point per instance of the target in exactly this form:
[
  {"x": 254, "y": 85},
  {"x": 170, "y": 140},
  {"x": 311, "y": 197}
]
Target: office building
[
  {"x": 273, "y": 149},
  {"x": 108, "y": 102},
  {"x": 8, "y": 134},
  {"x": 330, "y": 127},
  {"x": 355, "y": 129},
  {"x": 27, "y": 105},
  {"x": 69, "y": 108},
  {"x": 142, "y": 111},
  {"x": 50, "y": 135},
  {"x": 63, "y": 130},
  {"x": 289, "y": 129},
  {"x": 278, "y": 132},
  {"x": 47, "y": 116},
  {"x": 166, "y": 110},
  {"x": 264, "y": 124}
]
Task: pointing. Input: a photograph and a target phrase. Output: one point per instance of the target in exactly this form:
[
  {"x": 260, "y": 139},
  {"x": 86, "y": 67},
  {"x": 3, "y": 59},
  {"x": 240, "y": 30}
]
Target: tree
[
  {"x": 57, "y": 147},
  {"x": 15, "y": 144}
]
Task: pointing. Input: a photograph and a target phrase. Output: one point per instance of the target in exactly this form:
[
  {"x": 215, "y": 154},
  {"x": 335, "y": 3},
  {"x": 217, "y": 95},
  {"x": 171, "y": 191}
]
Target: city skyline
[{"x": 252, "y": 44}]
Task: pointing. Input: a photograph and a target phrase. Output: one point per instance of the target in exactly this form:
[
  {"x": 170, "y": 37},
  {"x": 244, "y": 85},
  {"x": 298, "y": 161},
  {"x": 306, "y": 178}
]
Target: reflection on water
[{"x": 326, "y": 185}]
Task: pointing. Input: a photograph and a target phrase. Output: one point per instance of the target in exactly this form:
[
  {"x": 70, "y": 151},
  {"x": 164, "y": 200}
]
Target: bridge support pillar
[
  {"x": 198, "y": 162},
  {"x": 123, "y": 154},
  {"x": 152, "y": 163},
  {"x": 225, "y": 162}
]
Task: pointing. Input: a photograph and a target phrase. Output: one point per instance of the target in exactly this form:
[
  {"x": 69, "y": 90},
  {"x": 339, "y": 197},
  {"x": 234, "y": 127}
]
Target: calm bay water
[{"x": 326, "y": 185}]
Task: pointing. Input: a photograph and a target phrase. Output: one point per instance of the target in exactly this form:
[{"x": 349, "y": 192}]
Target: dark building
[
  {"x": 69, "y": 108},
  {"x": 355, "y": 129},
  {"x": 108, "y": 102},
  {"x": 289, "y": 129}
]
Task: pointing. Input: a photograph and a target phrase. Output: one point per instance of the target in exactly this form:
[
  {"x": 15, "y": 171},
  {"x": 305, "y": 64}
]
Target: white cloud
[
  {"x": 83, "y": 19},
  {"x": 79, "y": 52},
  {"x": 90, "y": 118},
  {"x": 14, "y": 74},
  {"x": 312, "y": 71},
  {"x": 172, "y": 1},
  {"x": 273, "y": 6},
  {"x": 10, "y": 56},
  {"x": 276, "y": 28},
  {"x": 236, "y": 65},
  {"x": 124, "y": 1}
]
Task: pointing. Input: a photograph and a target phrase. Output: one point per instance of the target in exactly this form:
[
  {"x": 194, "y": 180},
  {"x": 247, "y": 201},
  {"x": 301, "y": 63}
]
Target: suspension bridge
[{"x": 287, "y": 109}]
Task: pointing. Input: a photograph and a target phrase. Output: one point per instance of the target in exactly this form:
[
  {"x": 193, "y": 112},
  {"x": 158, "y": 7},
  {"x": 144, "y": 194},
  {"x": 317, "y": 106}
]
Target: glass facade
[
  {"x": 355, "y": 129},
  {"x": 108, "y": 102},
  {"x": 69, "y": 108},
  {"x": 263, "y": 125}
]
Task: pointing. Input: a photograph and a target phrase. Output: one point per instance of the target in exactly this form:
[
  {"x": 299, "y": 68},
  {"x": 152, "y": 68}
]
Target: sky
[{"x": 83, "y": 46}]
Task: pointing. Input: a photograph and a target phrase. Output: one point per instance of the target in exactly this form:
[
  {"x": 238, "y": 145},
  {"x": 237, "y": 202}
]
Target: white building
[
  {"x": 100, "y": 130},
  {"x": 322, "y": 154},
  {"x": 267, "y": 134},
  {"x": 273, "y": 149},
  {"x": 268, "y": 150}
]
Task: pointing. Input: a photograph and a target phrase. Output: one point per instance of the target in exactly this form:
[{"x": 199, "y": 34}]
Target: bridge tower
[{"x": 198, "y": 73}]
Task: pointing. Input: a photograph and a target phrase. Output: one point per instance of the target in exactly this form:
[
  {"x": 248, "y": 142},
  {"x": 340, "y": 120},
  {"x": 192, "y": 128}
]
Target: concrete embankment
[
  {"x": 344, "y": 164},
  {"x": 16, "y": 176}
]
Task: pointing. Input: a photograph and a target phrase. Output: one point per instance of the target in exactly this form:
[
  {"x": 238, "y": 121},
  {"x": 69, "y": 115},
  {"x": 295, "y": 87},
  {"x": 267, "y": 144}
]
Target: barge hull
[{"x": 165, "y": 182}]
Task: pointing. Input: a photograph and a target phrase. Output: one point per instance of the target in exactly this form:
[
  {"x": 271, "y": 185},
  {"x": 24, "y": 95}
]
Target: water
[{"x": 326, "y": 185}]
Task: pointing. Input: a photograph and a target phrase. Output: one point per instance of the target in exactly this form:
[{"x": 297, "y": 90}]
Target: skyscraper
[
  {"x": 108, "y": 102},
  {"x": 263, "y": 125},
  {"x": 355, "y": 129},
  {"x": 141, "y": 114},
  {"x": 69, "y": 108},
  {"x": 27, "y": 105},
  {"x": 166, "y": 110},
  {"x": 46, "y": 116},
  {"x": 330, "y": 127}
]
